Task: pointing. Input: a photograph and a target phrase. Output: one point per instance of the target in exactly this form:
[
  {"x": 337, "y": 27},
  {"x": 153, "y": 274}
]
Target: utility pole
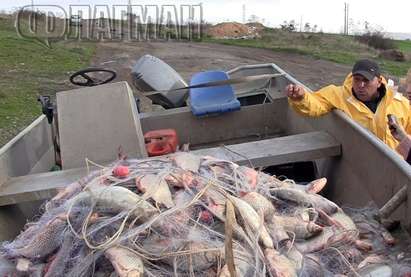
[
  {"x": 346, "y": 20},
  {"x": 129, "y": 16},
  {"x": 301, "y": 23},
  {"x": 244, "y": 14},
  {"x": 346, "y": 7}
]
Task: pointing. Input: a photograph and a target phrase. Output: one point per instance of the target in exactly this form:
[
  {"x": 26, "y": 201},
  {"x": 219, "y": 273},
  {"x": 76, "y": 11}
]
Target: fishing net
[{"x": 185, "y": 215}]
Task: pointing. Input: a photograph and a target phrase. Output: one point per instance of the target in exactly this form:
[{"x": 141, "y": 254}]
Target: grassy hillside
[
  {"x": 333, "y": 47},
  {"x": 29, "y": 69},
  {"x": 404, "y": 45}
]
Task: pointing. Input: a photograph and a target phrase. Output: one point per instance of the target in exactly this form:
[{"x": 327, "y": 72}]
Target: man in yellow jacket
[{"x": 364, "y": 96}]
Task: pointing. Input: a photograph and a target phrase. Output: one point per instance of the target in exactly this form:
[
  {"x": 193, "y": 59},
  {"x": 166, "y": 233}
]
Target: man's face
[
  {"x": 408, "y": 91},
  {"x": 365, "y": 89}
]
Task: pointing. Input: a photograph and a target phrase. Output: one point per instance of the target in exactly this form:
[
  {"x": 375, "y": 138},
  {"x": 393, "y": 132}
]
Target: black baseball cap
[{"x": 366, "y": 68}]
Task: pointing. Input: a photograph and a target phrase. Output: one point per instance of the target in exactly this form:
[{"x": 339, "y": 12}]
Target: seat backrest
[
  {"x": 215, "y": 94},
  {"x": 152, "y": 74},
  {"x": 95, "y": 121},
  {"x": 212, "y": 100}
]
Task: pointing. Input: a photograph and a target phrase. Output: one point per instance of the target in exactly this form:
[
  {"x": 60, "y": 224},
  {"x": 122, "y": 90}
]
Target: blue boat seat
[{"x": 212, "y": 100}]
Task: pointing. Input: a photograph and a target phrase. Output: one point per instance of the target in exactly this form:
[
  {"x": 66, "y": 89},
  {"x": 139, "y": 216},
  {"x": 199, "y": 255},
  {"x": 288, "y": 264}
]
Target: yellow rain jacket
[{"x": 342, "y": 98}]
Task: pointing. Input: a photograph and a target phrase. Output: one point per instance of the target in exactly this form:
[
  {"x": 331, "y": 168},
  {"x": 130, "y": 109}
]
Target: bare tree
[
  {"x": 307, "y": 27},
  {"x": 288, "y": 26},
  {"x": 253, "y": 18}
]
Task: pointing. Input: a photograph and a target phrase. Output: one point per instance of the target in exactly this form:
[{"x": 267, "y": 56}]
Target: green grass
[
  {"x": 332, "y": 47},
  {"x": 29, "y": 69},
  {"x": 404, "y": 45}
]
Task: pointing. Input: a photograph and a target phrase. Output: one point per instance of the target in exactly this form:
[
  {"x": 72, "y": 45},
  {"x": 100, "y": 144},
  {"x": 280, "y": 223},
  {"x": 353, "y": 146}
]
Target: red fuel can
[{"x": 161, "y": 142}]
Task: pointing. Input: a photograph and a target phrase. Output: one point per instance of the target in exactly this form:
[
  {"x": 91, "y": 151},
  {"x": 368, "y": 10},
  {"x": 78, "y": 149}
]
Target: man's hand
[
  {"x": 396, "y": 129},
  {"x": 294, "y": 92}
]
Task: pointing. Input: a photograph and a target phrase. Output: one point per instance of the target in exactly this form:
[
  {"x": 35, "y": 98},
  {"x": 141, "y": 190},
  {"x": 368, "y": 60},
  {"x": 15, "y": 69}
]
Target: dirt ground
[{"x": 189, "y": 58}]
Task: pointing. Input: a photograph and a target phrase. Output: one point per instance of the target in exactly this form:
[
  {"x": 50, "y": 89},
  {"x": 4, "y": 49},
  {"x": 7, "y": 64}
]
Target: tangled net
[{"x": 185, "y": 215}]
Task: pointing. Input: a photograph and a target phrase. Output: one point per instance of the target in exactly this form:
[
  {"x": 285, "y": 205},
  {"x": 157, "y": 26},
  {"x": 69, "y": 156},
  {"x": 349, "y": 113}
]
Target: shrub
[
  {"x": 27, "y": 14},
  {"x": 393, "y": 55},
  {"x": 376, "y": 40}
]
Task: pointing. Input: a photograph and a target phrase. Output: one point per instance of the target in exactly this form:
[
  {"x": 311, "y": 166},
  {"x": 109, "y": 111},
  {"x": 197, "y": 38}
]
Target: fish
[
  {"x": 221, "y": 170},
  {"x": 316, "y": 186},
  {"x": 319, "y": 202},
  {"x": 187, "y": 161},
  {"x": 57, "y": 266},
  {"x": 125, "y": 262},
  {"x": 216, "y": 202},
  {"x": 201, "y": 259},
  {"x": 117, "y": 199},
  {"x": 23, "y": 265},
  {"x": 325, "y": 219},
  {"x": 295, "y": 257},
  {"x": 225, "y": 272},
  {"x": 312, "y": 267},
  {"x": 7, "y": 268},
  {"x": 216, "y": 208},
  {"x": 68, "y": 191},
  {"x": 313, "y": 187},
  {"x": 213, "y": 224},
  {"x": 157, "y": 245},
  {"x": 363, "y": 245},
  {"x": 46, "y": 239},
  {"x": 251, "y": 220},
  {"x": 244, "y": 270},
  {"x": 353, "y": 255},
  {"x": 308, "y": 214},
  {"x": 243, "y": 266},
  {"x": 365, "y": 229},
  {"x": 202, "y": 255},
  {"x": 372, "y": 259},
  {"x": 75, "y": 187},
  {"x": 218, "y": 170},
  {"x": 155, "y": 187},
  {"x": 251, "y": 176},
  {"x": 279, "y": 265},
  {"x": 380, "y": 270},
  {"x": 344, "y": 221},
  {"x": 302, "y": 198},
  {"x": 184, "y": 179},
  {"x": 208, "y": 161},
  {"x": 387, "y": 237},
  {"x": 38, "y": 270},
  {"x": 183, "y": 215},
  {"x": 260, "y": 204},
  {"x": 329, "y": 236},
  {"x": 299, "y": 228},
  {"x": 290, "y": 194},
  {"x": 277, "y": 232}
]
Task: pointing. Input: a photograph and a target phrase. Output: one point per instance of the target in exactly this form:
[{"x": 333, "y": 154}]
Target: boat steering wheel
[{"x": 92, "y": 81}]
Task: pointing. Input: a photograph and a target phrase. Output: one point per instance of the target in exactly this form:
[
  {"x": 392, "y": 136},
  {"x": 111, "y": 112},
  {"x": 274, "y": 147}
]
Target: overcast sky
[{"x": 328, "y": 15}]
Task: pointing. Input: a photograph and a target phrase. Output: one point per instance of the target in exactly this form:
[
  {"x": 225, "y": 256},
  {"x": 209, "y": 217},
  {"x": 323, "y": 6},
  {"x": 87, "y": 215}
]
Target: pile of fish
[{"x": 185, "y": 215}]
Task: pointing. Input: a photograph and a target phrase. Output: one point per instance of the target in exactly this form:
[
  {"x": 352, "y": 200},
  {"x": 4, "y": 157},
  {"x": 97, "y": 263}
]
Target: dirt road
[{"x": 188, "y": 58}]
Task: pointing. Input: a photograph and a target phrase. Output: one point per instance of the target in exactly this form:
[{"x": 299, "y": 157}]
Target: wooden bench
[
  {"x": 275, "y": 151},
  {"x": 280, "y": 150}
]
